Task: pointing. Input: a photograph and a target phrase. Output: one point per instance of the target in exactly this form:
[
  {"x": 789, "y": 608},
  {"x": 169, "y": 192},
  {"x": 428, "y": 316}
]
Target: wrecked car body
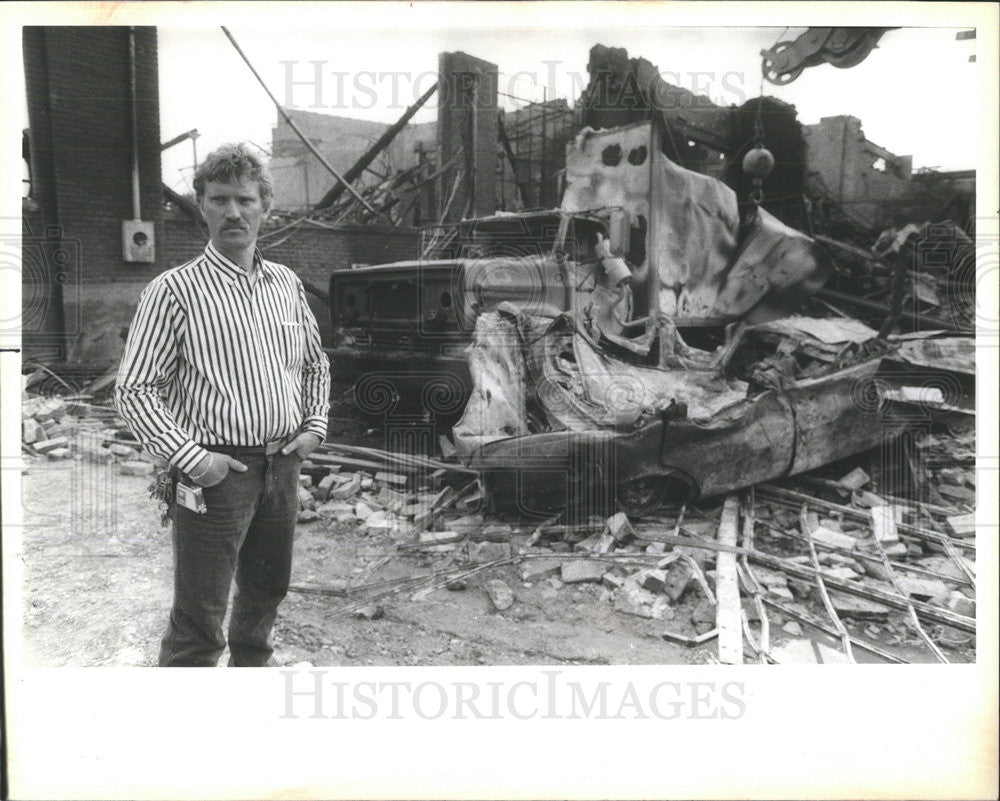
[
  {"x": 568, "y": 422},
  {"x": 637, "y": 345},
  {"x": 418, "y": 316}
]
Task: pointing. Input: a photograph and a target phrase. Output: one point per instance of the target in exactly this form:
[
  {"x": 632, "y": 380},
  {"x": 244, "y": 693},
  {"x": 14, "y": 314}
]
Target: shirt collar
[{"x": 232, "y": 270}]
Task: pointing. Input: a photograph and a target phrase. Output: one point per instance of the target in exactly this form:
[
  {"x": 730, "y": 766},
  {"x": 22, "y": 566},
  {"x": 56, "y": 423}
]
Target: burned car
[
  {"x": 555, "y": 420},
  {"x": 640, "y": 343},
  {"x": 418, "y": 316}
]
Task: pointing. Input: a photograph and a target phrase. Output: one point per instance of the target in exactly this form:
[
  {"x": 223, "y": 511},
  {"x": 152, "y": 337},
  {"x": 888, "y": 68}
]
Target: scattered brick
[
  {"x": 632, "y": 599},
  {"x": 306, "y": 500},
  {"x": 31, "y": 431},
  {"x": 575, "y": 571},
  {"x": 654, "y": 580},
  {"x": 346, "y": 489},
  {"x": 678, "y": 578},
  {"x": 480, "y": 552},
  {"x": 325, "y": 485},
  {"x": 612, "y": 581},
  {"x": 438, "y": 537},
  {"x": 957, "y": 602},
  {"x": 856, "y": 479},
  {"x": 537, "y": 569},
  {"x": 47, "y": 445},
  {"x": 500, "y": 594}
]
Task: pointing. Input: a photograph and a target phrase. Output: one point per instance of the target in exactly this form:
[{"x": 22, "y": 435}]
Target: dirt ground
[{"x": 97, "y": 589}]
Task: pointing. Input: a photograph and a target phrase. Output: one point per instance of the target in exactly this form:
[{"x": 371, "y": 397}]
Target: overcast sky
[
  {"x": 912, "y": 93},
  {"x": 915, "y": 94}
]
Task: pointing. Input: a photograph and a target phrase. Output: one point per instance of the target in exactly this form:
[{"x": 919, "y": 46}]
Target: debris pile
[
  {"x": 842, "y": 572},
  {"x": 921, "y": 275},
  {"x": 74, "y": 427},
  {"x": 393, "y": 494},
  {"x": 851, "y": 561}
]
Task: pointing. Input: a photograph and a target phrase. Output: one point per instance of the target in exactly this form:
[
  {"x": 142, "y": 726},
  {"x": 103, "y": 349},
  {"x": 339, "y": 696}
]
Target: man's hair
[{"x": 231, "y": 163}]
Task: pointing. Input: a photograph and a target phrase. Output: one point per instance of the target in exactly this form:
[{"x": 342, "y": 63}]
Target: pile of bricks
[
  {"x": 59, "y": 428},
  {"x": 404, "y": 505},
  {"x": 667, "y": 568}
]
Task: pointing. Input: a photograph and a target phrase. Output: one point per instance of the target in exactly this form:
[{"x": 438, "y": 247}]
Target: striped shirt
[{"x": 214, "y": 358}]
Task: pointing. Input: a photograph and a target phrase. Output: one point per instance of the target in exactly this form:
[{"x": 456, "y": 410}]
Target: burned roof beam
[{"x": 372, "y": 153}]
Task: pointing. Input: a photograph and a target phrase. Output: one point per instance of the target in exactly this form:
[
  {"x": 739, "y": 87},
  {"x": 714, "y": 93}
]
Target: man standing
[{"x": 224, "y": 377}]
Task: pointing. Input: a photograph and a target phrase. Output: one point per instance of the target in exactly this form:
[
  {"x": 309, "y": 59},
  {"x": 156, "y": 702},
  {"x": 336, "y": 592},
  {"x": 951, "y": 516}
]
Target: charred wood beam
[
  {"x": 896, "y": 298},
  {"x": 522, "y": 190},
  {"x": 372, "y": 153}
]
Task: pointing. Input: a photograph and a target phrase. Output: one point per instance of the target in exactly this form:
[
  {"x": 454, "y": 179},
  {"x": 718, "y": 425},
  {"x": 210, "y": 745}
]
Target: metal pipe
[
  {"x": 136, "y": 209},
  {"x": 471, "y": 206},
  {"x": 920, "y": 320},
  {"x": 291, "y": 124}
]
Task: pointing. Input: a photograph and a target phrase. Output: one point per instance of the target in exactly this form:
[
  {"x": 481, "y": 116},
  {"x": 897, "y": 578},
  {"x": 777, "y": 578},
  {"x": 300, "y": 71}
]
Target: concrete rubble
[
  {"x": 75, "y": 427},
  {"x": 676, "y": 582},
  {"x": 885, "y": 560}
]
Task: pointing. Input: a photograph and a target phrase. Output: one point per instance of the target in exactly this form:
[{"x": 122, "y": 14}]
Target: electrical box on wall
[{"x": 138, "y": 241}]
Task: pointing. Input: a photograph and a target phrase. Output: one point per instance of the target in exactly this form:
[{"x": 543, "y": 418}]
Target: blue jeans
[{"x": 246, "y": 534}]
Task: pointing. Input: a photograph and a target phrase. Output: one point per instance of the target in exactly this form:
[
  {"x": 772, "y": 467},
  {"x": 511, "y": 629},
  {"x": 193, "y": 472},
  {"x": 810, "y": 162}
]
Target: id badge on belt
[{"x": 190, "y": 497}]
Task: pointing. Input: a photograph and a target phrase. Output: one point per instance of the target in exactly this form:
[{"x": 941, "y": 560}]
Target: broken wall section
[{"x": 690, "y": 259}]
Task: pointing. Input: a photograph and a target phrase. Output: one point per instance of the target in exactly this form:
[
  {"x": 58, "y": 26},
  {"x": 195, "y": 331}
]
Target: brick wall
[
  {"x": 96, "y": 309},
  {"x": 80, "y": 129},
  {"x": 467, "y": 123},
  {"x": 77, "y": 86}
]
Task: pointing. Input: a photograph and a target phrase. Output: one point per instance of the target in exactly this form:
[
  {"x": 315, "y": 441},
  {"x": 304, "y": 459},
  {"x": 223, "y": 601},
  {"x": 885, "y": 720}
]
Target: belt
[{"x": 267, "y": 449}]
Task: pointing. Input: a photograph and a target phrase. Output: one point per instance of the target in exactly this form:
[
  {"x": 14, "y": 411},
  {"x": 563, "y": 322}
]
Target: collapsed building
[
  {"x": 654, "y": 321},
  {"x": 657, "y": 336},
  {"x": 651, "y": 345}
]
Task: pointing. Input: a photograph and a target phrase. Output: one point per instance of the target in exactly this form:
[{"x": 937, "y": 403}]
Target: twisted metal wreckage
[{"x": 585, "y": 387}]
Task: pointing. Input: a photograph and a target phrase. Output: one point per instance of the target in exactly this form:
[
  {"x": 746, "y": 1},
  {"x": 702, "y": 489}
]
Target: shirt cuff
[
  {"x": 315, "y": 425},
  {"x": 187, "y": 456}
]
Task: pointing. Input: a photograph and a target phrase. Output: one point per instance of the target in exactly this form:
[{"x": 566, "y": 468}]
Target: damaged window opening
[{"x": 611, "y": 156}]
